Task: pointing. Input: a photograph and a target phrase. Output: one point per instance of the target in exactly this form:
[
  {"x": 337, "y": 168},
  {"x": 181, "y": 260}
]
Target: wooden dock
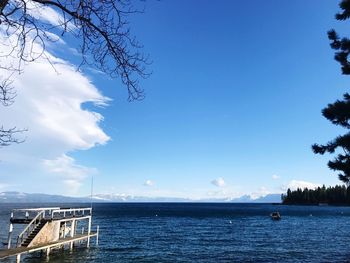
[
  {"x": 50, "y": 228},
  {"x": 18, "y": 251}
]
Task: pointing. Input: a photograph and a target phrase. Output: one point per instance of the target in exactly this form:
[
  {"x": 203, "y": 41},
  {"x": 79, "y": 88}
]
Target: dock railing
[
  {"x": 19, "y": 213},
  {"x": 48, "y": 213},
  {"x": 30, "y": 227},
  {"x": 71, "y": 212}
]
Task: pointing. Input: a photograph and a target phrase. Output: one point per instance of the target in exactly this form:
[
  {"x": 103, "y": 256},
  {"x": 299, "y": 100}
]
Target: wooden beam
[{"x": 22, "y": 250}]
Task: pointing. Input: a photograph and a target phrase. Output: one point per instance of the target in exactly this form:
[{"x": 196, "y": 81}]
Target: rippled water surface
[{"x": 184, "y": 232}]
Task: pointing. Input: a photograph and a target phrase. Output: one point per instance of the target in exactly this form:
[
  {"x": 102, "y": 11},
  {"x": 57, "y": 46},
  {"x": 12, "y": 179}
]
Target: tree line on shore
[
  {"x": 338, "y": 113},
  {"x": 336, "y": 195}
]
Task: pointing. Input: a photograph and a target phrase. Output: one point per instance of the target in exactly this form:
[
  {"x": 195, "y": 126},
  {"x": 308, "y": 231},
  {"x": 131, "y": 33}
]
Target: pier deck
[
  {"x": 48, "y": 228},
  {"x": 22, "y": 250}
]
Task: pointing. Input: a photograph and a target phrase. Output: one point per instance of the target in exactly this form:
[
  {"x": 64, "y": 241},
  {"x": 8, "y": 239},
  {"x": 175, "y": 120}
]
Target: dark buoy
[{"x": 275, "y": 216}]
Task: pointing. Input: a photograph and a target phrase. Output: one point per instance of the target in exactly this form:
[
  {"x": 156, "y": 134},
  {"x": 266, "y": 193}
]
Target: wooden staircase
[{"x": 34, "y": 232}]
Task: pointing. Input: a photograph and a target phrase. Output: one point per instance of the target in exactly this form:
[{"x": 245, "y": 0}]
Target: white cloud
[
  {"x": 275, "y": 177},
  {"x": 46, "y": 14},
  {"x": 219, "y": 182},
  {"x": 221, "y": 193},
  {"x": 66, "y": 168},
  {"x": 3, "y": 186},
  {"x": 262, "y": 191},
  {"x": 72, "y": 186},
  {"x": 148, "y": 183},
  {"x": 49, "y": 104},
  {"x": 54, "y": 38},
  {"x": 294, "y": 184}
]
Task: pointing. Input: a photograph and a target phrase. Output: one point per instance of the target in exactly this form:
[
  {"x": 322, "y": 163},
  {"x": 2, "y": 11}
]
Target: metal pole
[{"x": 92, "y": 189}]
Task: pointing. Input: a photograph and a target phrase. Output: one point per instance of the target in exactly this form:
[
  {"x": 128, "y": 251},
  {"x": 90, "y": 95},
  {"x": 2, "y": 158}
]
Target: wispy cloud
[
  {"x": 219, "y": 182},
  {"x": 49, "y": 103},
  {"x": 46, "y": 14},
  {"x": 148, "y": 183},
  {"x": 275, "y": 177},
  {"x": 4, "y": 186},
  {"x": 262, "y": 191},
  {"x": 72, "y": 174}
]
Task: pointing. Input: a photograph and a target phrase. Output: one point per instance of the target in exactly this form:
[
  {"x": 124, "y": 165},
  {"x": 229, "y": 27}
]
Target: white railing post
[
  {"x": 47, "y": 253},
  {"x": 9, "y": 236},
  {"x": 97, "y": 232},
  {"x": 72, "y": 231},
  {"x": 65, "y": 227},
  {"x": 89, "y": 231}
]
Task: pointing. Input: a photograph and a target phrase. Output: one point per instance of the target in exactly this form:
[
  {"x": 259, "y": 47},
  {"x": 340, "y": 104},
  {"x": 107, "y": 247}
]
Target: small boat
[{"x": 275, "y": 216}]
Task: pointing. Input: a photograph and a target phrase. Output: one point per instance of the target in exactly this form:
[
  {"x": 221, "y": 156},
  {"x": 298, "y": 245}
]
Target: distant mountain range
[{"x": 18, "y": 197}]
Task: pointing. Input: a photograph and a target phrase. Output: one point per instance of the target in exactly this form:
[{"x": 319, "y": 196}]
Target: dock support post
[
  {"x": 97, "y": 231},
  {"x": 47, "y": 251},
  {"x": 89, "y": 231},
  {"x": 64, "y": 232},
  {"x": 18, "y": 258},
  {"x": 9, "y": 237},
  {"x": 75, "y": 226},
  {"x": 72, "y": 231}
]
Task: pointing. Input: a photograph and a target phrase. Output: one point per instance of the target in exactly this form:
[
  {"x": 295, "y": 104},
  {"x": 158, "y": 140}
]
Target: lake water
[{"x": 186, "y": 232}]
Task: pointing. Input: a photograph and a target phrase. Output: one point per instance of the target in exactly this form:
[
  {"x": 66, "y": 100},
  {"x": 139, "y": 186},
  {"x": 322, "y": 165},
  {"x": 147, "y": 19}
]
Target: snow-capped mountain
[{"x": 19, "y": 197}]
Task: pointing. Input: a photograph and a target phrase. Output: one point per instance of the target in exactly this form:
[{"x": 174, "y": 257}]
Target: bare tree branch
[
  {"x": 101, "y": 27},
  {"x": 7, "y": 92},
  {"x": 8, "y": 136},
  {"x": 3, "y": 3}
]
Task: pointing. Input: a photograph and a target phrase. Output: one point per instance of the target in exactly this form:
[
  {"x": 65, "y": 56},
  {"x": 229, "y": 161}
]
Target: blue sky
[{"x": 235, "y": 96}]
